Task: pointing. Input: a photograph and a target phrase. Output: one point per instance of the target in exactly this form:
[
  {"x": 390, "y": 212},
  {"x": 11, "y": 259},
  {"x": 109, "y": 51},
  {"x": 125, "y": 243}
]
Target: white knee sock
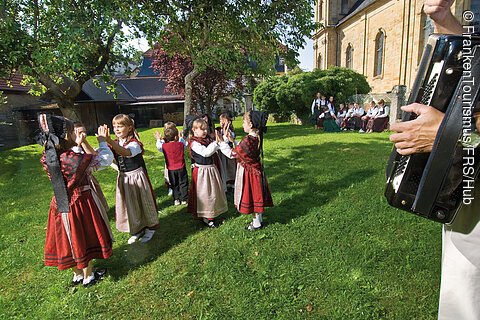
[{"x": 257, "y": 220}]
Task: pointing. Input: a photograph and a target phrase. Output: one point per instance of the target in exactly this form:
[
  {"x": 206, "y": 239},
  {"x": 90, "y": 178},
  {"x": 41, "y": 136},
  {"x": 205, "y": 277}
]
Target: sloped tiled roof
[
  {"x": 90, "y": 92},
  {"x": 129, "y": 90},
  {"x": 13, "y": 84},
  {"x": 148, "y": 89}
]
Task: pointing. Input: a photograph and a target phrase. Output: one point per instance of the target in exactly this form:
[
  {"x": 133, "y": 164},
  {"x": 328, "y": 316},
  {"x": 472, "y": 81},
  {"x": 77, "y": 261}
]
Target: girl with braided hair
[
  {"x": 206, "y": 197},
  {"x": 135, "y": 205},
  {"x": 252, "y": 194}
]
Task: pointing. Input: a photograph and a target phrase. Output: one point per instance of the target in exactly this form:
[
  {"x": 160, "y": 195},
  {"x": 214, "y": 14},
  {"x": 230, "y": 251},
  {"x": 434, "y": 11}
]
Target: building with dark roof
[{"x": 381, "y": 39}]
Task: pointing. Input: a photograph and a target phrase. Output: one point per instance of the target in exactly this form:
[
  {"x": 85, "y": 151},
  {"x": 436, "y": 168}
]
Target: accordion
[{"x": 434, "y": 185}]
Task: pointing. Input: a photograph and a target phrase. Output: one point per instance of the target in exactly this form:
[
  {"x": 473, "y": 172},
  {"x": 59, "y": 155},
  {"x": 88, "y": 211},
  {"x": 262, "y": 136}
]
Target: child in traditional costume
[
  {"x": 228, "y": 166},
  {"x": 135, "y": 207},
  {"x": 78, "y": 229},
  {"x": 174, "y": 151},
  {"x": 252, "y": 194},
  {"x": 81, "y": 130},
  {"x": 167, "y": 125},
  {"x": 206, "y": 199}
]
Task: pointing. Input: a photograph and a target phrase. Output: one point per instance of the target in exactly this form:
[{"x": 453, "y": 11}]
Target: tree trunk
[
  {"x": 69, "y": 110},
  {"x": 188, "y": 108},
  {"x": 208, "y": 105},
  {"x": 65, "y": 98}
]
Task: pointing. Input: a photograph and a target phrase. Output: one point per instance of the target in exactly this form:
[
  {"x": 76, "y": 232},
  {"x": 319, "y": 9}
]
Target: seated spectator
[
  {"x": 379, "y": 122},
  {"x": 371, "y": 113},
  {"x": 328, "y": 120},
  {"x": 354, "y": 116}
]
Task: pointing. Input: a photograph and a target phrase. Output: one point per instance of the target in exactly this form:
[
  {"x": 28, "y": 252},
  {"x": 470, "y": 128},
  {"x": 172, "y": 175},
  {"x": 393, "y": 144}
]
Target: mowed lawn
[{"x": 332, "y": 248}]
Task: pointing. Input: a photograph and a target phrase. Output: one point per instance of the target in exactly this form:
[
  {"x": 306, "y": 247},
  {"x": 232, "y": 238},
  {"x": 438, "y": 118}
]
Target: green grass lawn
[{"x": 332, "y": 247}]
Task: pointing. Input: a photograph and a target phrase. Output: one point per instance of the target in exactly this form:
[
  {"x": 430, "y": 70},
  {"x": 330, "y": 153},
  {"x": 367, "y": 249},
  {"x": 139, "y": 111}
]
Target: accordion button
[{"x": 440, "y": 214}]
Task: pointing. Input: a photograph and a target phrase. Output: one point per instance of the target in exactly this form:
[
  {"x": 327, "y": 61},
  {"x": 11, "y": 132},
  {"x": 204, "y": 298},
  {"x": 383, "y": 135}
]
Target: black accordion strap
[{"x": 441, "y": 157}]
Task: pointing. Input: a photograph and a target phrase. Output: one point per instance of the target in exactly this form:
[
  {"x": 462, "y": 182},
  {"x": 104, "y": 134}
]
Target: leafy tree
[
  {"x": 209, "y": 86},
  {"x": 295, "y": 93},
  {"x": 59, "y": 45},
  {"x": 236, "y": 37},
  {"x": 265, "y": 93}
]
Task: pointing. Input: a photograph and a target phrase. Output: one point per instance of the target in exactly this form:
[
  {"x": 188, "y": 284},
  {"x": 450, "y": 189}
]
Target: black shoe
[
  {"x": 100, "y": 273},
  {"x": 210, "y": 223},
  {"x": 250, "y": 227}
]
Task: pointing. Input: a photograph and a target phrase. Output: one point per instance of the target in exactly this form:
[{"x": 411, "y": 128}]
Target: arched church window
[
  {"x": 319, "y": 61},
  {"x": 349, "y": 57},
  {"x": 379, "y": 53}
]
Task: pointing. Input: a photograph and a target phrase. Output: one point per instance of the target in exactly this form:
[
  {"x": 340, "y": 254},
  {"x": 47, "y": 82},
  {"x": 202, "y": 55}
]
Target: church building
[{"x": 381, "y": 39}]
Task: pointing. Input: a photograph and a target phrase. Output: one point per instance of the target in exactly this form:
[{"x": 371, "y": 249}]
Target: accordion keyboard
[{"x": 426, "y": 98}]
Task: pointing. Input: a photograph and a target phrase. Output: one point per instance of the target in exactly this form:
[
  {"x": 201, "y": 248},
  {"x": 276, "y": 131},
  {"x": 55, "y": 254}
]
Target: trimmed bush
[{"x": 294, "y": 94}]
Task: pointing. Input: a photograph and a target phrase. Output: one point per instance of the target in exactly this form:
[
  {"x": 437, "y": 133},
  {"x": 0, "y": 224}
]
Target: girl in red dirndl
[
  {"x": 78, "y": 229},
  {"x": 252, "y": 193}
]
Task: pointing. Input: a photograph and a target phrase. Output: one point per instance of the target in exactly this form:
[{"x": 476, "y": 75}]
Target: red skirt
[
  {"x": 252, "y": 193},
  {"x": 79, "y": 236}
]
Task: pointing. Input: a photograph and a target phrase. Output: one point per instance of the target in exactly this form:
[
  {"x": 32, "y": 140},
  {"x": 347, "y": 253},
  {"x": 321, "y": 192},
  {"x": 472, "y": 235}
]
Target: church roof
[{"x": 357, "y": 7}]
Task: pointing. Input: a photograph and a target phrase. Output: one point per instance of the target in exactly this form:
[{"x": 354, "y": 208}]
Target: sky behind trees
[{"x": 306, "y": 54}]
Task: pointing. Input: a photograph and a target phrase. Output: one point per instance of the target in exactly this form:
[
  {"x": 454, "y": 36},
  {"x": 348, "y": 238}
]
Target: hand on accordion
[{"x": 417, "y": 135}]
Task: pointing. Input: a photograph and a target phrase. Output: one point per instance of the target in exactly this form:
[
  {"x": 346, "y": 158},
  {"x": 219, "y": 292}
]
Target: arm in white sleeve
[
  {"x": 331, "y": 108},
  {"x": 386, "y": 112},
  {"x": 104, "y": 158},
  {"x": 159, "y": 144},
  {"x": 182, "y": 140},
  {"x": 134, "y": 148},
  {"x": 205, "y": 151},
  {"x": 226, "y": 150}
]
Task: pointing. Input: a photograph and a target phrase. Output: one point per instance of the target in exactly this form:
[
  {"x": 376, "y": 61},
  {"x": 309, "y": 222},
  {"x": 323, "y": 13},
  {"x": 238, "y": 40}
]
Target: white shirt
[
  {"x": 133, "y": 146},
  {"x": 315, "y": 102},
  {"x": 160, "y": 143},
  {"x": 372, "y": 112},
  {"x": 204, "y": 151},
  {"x": 104, "y": 156},
  {"x": 385, "y": 112}
]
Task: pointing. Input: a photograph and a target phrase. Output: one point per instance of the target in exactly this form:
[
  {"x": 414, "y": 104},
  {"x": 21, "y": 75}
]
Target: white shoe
[
  {"x": 361, "y": 131},
  {"x": 170, "y": 192},
  {"x": 147, "y": 236},
  {"x": 184, "y": 202},
  {"x": 176, "y": 202},
  {"x": 134, "y": 238}
]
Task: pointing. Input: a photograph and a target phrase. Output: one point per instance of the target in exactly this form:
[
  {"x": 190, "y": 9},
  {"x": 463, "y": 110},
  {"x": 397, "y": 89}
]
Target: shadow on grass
[
  {"x": 324, "y": 166},
  {"x": 173, "y": 229},
  {"x": 301, "y": 179},
  {"x": 283, "y": 131}
]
